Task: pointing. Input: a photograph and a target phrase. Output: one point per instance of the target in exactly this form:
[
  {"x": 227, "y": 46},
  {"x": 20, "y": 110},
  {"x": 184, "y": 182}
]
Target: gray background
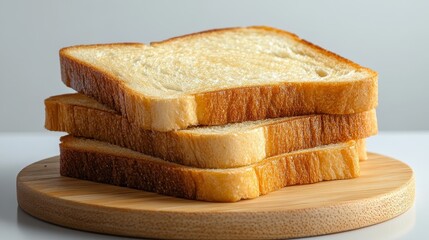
[{"x": 391, "y": 37}]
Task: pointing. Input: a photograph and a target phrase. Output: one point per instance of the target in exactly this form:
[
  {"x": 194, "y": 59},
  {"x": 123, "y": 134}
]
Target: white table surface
[{"x": 17, "y": 150}]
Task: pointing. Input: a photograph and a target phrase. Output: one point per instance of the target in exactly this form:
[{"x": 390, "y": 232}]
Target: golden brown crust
[
  {"x": 100, "y": 162},
  {"x": 316, "y": 130},
  {"x": 361, "y": 147},
  {"x": 126, "y": 172},
  {"x": 286, "y": 99},
  {"x": 230, "y": 105},
  {"x": 92, "y": 82},
  {"x": 81, "y": 116},
  {"x": 108, "y": 90}
]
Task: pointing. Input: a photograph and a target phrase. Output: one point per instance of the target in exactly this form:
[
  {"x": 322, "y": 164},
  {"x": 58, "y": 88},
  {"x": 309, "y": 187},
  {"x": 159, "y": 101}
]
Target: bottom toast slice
[{"x": 106, "y": 163}]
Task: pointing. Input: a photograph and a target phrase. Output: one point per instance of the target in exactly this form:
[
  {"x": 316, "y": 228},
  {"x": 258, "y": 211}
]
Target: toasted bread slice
[
  {"x": 102, "y": 162},
  {"x": 218, "y": 77},
  {"x": 227, "y": 146}
]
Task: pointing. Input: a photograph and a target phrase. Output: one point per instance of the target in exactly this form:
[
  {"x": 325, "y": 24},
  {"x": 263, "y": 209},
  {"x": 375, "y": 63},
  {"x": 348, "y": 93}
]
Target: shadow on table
[{"x": 35, "y": 228}]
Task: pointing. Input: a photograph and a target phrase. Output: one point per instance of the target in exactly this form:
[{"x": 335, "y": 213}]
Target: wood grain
[{"x": 385, "y": 189}]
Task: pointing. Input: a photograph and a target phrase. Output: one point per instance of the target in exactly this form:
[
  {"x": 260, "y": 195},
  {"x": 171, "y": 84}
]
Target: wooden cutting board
[{"x": 384, "y": 190}]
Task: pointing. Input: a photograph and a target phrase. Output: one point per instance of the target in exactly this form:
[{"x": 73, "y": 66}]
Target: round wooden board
[{"x": 384, "y": 190}]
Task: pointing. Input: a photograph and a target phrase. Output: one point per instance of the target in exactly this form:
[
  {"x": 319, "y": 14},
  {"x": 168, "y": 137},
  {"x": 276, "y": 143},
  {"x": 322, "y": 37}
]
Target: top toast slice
[{"x": 218, "y": 77}]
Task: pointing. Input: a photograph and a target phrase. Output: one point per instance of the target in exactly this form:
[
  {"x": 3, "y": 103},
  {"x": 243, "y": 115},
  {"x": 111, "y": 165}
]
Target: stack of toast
[{"x": 220, "y": 115}]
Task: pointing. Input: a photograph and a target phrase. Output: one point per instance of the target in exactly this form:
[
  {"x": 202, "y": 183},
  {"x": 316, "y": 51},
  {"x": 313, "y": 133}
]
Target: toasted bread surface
[{"x": 219, "y": 77}]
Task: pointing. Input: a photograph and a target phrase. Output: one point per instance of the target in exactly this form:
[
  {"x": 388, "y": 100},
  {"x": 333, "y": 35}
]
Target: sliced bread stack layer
[{"x": 221, "y": 115}]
